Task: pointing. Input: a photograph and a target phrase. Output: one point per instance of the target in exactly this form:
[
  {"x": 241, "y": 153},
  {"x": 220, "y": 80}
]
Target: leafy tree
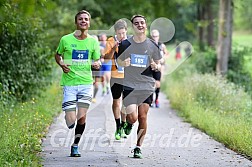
[
  {"x": 243, "y": 15},
  {"x": 24, "y": 52},
  {"x": 224, "y": 36}
]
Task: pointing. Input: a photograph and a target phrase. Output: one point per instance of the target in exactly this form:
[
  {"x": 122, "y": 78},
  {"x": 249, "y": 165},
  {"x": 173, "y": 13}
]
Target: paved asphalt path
[{"x": 169, "y": 142}]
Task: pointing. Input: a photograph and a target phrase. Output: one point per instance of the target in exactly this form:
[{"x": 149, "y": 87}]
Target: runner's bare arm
[
  {"x": 110, "y": 50},
  {"x": 96, "y": 64},
  {"x": 60, "y": 62},
  {"x": 123, "y": 63},
  {"x": 155, "y": 65},
  {"x": 166, "y": 53}
]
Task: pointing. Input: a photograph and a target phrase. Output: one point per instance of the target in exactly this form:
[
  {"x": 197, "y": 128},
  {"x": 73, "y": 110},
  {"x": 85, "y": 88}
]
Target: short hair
[
  {"x": 102, "y": 34},
  {"x": 137, "y": 15},
  {"x": 81, "y": 12},
  {"x": 120, "y": 24},
  {"x": 155, "y": 31}
]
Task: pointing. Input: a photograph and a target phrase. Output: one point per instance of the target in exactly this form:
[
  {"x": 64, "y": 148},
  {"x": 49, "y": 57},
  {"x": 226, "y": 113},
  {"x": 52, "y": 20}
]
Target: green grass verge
[
  {"x": 24, "y": 125},
  {"x": 216, "y": 107},
  {"x": 242, "y": 38}
]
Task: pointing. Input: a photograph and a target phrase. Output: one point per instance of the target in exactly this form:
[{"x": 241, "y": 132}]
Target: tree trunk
[
  {"x": 224, "y": 36},
  {"x": 210, "y": 27},
  {"x": 200, "y": 13}
]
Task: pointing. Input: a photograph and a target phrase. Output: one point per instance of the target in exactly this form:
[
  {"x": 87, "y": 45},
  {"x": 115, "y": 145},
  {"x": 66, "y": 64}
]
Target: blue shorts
[
  {"x": 77, "y": 96},
  {"x": 106, "y": 66}
]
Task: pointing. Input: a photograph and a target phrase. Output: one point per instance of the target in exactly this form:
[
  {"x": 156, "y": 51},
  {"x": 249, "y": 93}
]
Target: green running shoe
[
  {"x": 75, "y": 152},
  {"x": 127, "y": 128},
  {"x": 137, "y": 153},
  {"x": 118, "y": 134},
  {"x": 123, "y": 135}
]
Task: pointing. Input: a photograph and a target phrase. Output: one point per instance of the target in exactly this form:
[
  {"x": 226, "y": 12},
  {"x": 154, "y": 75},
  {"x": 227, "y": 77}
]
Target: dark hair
[
  {"x": 137, "y": 15},
  {"x": 81, "y": 12},
  {"x": 120, "y": 24}
]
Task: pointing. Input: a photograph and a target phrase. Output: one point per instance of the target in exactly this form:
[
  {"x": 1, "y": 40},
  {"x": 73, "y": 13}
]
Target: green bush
[
  {"x": 24, "y": 57},
  {"x": 238, "y": 73},
  {"x": 205, "y": 62}
]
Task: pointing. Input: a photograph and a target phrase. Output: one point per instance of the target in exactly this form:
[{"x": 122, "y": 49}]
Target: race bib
[
  {"x": 138, "y": 60},
  {"x": 79, "y": 56}
]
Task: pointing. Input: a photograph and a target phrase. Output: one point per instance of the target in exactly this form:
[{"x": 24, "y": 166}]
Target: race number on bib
[
  {"x": 138, "y": 60},
  {"x": 80, "y": 56}
]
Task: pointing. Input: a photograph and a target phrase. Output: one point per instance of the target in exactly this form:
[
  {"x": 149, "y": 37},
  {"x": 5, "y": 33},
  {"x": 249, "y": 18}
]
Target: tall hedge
[{"x": 24, "y": 56}]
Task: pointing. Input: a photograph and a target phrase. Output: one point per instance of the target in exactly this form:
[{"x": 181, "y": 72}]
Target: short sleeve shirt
[
  {"x": 139, "y": 74},
  {"x": 116, "y": 70},
  {"x": 79, "y": 55}
]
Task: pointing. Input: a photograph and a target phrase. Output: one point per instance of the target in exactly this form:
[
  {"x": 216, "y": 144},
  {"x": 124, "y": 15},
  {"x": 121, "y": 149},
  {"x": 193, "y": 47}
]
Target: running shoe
[
  {"x": 128, "y": 128},
  {"x": 74, "y": 151},
  {"x": 123, "y": 135},
  {"x": 118, "y": 134},
  {"x": 157, "y": 104},
  {"x": 137, "y": 153}
]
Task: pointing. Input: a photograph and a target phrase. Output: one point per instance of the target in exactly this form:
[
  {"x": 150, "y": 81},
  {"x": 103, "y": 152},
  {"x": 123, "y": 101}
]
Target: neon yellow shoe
[
  {"x": 127, "y": 128},
  {"x": 118, "y": 134},
  {"x": 123, "y": 135},
  {"x": 94, "y": 100}
]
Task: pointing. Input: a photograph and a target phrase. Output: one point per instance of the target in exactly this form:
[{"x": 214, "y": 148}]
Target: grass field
[
  {"x": 23, "y": 125},
  {"x": 212, "y": 104},
  {"x": 216, "y": 107},
  {"x": 242, "y": 38}
]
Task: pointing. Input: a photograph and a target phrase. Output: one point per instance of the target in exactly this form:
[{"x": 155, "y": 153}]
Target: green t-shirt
[{"x": 79, "y": 55}]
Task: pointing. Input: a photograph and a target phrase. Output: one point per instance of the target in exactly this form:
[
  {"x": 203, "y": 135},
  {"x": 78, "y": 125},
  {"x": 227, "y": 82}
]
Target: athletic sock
[
  {"x": 129, "y": 124},
  {"x": 117, "y": 123},
  {"x": 78, "y": 132},
  {"x": 122, "y": 123},
  {"x": 157, "y": 92},
  {"x": 138, "y": 147}
]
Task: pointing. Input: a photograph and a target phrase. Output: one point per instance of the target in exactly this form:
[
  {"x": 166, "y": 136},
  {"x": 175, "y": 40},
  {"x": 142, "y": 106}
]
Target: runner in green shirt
[{"x": 76, "y": 53}]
